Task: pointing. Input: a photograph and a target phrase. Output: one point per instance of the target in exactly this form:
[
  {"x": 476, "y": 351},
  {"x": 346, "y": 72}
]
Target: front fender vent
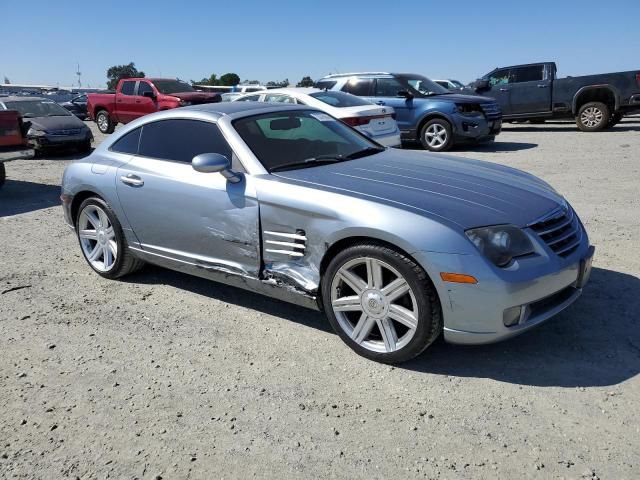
[{"x": 283, "y": 243}]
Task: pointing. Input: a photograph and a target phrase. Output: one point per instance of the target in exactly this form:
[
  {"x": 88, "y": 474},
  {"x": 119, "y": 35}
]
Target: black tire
[
  {"x": 537, "y": 121},
  {"x": 125, "y": 263},
  {"x": 429, "y": 313},
  {"x": 3, "y": 174},
  {"x": 106, "y": 126},
  {"x": 593, "y": 117},
  {"x": 614, "y": 120},
  {"x": 436, "y": 123}
]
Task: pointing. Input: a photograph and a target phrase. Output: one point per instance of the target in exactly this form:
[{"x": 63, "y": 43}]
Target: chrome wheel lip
[
  {"x": 591, "y": 117},
  {"x": 97, "y": 238},
  {"x": 375, "y": 303},
  {"x": 436, "y": 135}
]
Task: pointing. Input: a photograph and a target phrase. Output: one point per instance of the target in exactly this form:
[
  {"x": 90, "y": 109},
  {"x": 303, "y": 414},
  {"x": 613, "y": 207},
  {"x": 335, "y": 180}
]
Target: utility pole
[{"x": 79, "y": 74}]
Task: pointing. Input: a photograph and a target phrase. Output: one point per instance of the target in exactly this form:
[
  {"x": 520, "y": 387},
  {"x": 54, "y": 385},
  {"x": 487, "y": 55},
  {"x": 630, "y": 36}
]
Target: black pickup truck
[{"x": 532, "y": 92}]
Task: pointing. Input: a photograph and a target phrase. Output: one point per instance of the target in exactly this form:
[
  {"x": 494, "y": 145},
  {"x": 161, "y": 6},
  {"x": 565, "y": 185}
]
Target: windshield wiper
[
  {"x": 320, "y": 159},
  {"x": 365, "y": 152}
]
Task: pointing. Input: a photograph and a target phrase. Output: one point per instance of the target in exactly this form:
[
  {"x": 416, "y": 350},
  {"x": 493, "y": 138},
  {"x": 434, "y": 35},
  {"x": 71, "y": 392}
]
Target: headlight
[
  {"x": 35, "y": 133},
  {"x": 500, "y": 243},
  {"x": 184, "y": 103}
]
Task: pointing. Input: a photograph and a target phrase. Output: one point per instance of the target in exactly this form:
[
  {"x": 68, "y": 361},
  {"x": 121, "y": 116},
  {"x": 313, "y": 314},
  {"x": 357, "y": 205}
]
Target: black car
[
  {"x": 50, "y": 126},
  {"x": 77, "y": 106}
]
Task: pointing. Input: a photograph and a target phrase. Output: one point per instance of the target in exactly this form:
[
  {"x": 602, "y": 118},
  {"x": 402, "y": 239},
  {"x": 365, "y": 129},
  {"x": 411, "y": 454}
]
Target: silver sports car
[{"x": 395, "y": 246}]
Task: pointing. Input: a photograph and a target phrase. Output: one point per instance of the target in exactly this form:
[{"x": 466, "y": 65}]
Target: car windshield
[
  {"x": 424, "y": 86},
  {"x": 37, "y": 108},
  {"x": 172, "y": 86},
  {"x": 339, "y": 99},
  {"x": 302, "y": 138}
]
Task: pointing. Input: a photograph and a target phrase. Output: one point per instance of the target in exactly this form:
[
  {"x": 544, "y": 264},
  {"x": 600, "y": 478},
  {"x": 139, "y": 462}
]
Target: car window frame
[
  {"x": 513, "y": 73},
  {"x": 234, "y": 155},
  {"x": 141, "y": 82},
  {"x": 372, "y": 82},
  {"x": 133, "y": 92},
  {"x": 375, "y": 87}
]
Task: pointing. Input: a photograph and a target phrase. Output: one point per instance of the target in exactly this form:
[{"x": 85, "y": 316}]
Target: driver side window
[
  {"x": 388, "y": 87},
  {"x": 499, "y": 77},
  {"x": 144, "y": 87}
]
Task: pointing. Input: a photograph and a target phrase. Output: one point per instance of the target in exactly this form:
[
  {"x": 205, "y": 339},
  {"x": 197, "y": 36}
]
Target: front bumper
[
  {"x": 61, "y": 141},
  {"x": 467, "y": 129},
  {"x": 540, "y": 287},
  {"x": 391, "y": 140}
]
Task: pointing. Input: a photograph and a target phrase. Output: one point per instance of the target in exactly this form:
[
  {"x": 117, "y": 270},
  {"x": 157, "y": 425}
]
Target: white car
[
  {"x": 375, "y": 121},
  {"x": 450, "y": 84}
]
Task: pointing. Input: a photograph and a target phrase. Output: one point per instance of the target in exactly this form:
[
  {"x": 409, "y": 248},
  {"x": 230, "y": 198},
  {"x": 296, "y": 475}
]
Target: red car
[
  {"x": 135, "y": 97},
  {"x": 13, "y": 140}
]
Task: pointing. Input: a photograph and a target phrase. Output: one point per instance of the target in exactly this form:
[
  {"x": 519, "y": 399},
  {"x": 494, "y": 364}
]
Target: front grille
[
  {"x": 548, "y": 303},
  {"x": 491, "y": 111},
  {"x": 560, "y": 230},
  {"x": 68, "y": 131}
]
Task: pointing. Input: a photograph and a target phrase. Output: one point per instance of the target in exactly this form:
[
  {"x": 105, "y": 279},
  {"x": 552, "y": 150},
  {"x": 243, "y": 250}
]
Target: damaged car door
[{"x": 177, "y": 213}]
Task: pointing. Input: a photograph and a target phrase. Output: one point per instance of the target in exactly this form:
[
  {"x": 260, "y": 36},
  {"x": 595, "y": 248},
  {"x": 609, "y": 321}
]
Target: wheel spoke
[
  {"x": 374, "y": 274},
  {"x": 95, "y": 253},
  {"x": 107, "y": 257},
  {"x": 93, "y": 219},
  {"x": 395, "y": 289},
  {"x": 403, "y": 316},
  {"x": 347, "y": 304},
  {"x": 363, "y": 328},
  {"x": 388, "y": 333},
  {"x": 110, "y": 233},
  {"x": 88, "y": 234},
  {"x": 104, "y": 221},
  {"x": 356, "y": 283}
]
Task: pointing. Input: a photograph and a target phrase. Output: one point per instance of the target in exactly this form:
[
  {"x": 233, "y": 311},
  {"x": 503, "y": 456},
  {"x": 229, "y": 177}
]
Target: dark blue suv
[{"x": 425, "y": 111}]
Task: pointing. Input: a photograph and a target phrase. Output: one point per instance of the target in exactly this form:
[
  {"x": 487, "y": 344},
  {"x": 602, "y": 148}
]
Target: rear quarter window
[{"x": 128, "y": 143}]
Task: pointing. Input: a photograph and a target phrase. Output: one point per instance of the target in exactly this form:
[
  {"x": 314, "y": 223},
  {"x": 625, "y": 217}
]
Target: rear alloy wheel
[
  {"x": 593, "y": 117},
  {"x": 102, "y": 241},
  {"x": 436, "y": 135},
  {"x": 381, "y": 303},
  {"x": 105, "y": 125}
]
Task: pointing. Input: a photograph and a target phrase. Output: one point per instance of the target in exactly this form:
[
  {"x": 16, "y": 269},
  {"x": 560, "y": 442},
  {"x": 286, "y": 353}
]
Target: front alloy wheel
[
  {"x": 436, "y": 135},
  {"x": 381, "y": 303}
]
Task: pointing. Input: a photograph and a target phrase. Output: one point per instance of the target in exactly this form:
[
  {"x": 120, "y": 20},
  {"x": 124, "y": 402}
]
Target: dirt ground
[{"x": 163, "y": 375}]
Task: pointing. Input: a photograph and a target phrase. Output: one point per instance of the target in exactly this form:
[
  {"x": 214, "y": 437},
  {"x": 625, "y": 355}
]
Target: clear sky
[{"x": 41, "y": 41}]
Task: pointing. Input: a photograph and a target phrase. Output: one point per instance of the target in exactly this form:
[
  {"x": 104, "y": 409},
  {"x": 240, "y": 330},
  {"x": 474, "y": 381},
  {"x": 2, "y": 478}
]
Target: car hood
[
  {"x": 198, "y": 97},
  {"x": 466, "y": 193},
  {"x": 63, "y": 122},
  {"x": 460, "y": 98}
]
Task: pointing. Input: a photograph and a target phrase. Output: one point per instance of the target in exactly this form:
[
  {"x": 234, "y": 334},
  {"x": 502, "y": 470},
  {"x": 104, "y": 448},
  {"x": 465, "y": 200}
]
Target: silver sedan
[{"x": 395, "y": 246}]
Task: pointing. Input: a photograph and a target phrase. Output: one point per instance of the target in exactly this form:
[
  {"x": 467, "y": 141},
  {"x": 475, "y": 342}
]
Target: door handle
[
  {"x": 542, "y": 86},
  {"x": 504, "y": 89},
  {"x": 133, "y": 180},
  {"x": 380, "y": 102},
  {"x": 137, "y": 101}
]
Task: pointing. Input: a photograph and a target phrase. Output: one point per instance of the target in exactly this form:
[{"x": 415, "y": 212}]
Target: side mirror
[
  {"x": 405, "y": 93},
  {"x": 149, "y": 94},
  {"x": 481, "y": 84},
  {"x": 214, "y": 162}
]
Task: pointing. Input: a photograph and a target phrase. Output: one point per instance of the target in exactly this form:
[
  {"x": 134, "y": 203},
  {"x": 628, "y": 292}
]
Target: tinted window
[
  {"x": 279, "y": 139},
  {"x": 388, "y": 87},
  {"x": 442, "y": 83},
  {"x": 172, "y": 86},
  {"x": 339, "y": 99},
  {"x": 144, "y": 87},
  {"x": 128, "y": 143},
  {"x": 127, "y": 88},
  {"x": 325, "y": 84},
  {"x": 360, "y": 87},
  {"x": 499, "y": 77},
  {"x": 279, "y": 98},
  {"x": 527, "y": 74},
  {"x": 181, "y": 140}
]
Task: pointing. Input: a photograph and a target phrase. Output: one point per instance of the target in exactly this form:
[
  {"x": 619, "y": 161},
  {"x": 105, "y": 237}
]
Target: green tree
[
  {"x": 283, "y": 84},
  {"x": 305, "y": 82},
  {"x": 115, "y": 73},
  {"x": 211, "y": 80},
  {"x": 229, "y": 79}
]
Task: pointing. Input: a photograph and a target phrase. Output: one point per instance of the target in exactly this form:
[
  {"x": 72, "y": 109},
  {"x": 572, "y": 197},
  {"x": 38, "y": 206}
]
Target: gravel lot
[{"x": 167, "y": 375}]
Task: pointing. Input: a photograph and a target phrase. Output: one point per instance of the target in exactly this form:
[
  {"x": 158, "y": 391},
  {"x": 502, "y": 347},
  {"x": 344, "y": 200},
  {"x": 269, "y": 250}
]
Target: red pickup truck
[{"x": 135, "y": 97}]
